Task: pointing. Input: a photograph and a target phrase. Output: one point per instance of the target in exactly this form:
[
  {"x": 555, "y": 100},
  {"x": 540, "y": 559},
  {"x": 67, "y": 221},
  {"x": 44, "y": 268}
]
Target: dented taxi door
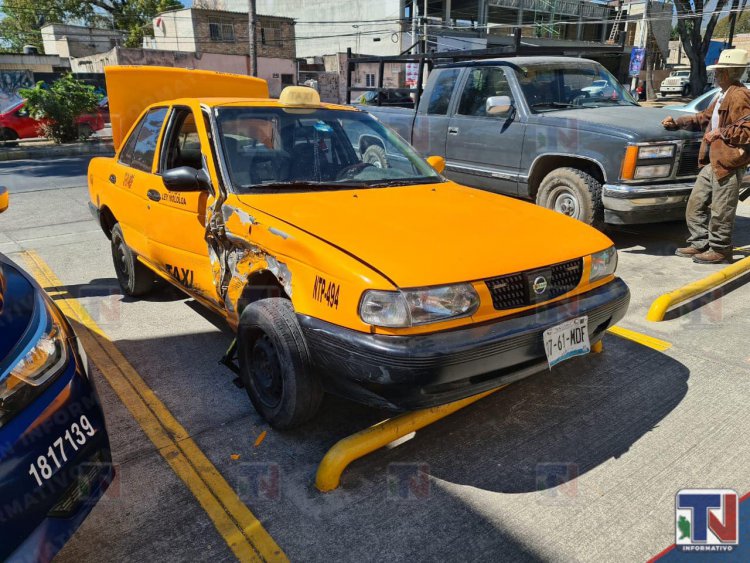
[{"x": 177, "y": 229}]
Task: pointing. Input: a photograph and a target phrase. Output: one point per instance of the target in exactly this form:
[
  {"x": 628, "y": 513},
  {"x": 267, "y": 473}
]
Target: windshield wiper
[
  {"x": 553, "y": 105},
  {"x": 300, "y": 184}
]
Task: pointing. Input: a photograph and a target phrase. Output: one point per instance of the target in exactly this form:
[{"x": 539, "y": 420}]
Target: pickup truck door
[
  {"x": 484, "y": 151},
  {"x": 177, "y": 228},
  {"x": 431, "y": 120}
]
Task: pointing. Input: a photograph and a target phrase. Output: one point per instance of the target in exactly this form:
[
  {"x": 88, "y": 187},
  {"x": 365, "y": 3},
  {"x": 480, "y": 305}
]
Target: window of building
[
  {"x": 270, "y": 32},
  {"x": 370, "y": 80},
  {"x": 287, "y": 79},
  {"x": 220, "y": 31}
]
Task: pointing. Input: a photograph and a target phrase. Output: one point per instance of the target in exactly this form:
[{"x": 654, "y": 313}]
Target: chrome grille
[{"x": 514, "y": 290}]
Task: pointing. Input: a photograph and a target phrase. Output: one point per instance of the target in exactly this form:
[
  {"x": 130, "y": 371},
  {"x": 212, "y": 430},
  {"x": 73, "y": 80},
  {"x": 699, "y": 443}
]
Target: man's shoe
[
  {"x": 688, "y": 251},
  {"x": 712, "y": 257}
]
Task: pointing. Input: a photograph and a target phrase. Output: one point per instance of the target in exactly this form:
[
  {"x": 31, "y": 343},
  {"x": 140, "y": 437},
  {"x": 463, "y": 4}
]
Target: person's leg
[
  {"x": 696, "y": 214},
  {"x": 723, "y": 211}
]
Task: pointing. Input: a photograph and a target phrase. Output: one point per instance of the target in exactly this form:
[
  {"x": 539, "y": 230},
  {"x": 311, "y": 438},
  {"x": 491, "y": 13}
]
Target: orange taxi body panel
[{"x": 132, "y": 88}]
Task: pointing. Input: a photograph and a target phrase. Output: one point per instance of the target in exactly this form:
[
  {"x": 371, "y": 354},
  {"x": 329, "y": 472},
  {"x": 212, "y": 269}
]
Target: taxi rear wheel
[
  {"x": 134, "y": 278},
  {"x": 275, "y": 365},
  {"x": 574, "y": 193}
]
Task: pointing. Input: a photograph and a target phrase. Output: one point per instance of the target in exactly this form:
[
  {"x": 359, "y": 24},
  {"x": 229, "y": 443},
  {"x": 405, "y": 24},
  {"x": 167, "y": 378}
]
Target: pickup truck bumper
[
  {"x": 671, "y": 89},
  {"x": 628, "y": 204},
  {"x": 409, "y": 372}
]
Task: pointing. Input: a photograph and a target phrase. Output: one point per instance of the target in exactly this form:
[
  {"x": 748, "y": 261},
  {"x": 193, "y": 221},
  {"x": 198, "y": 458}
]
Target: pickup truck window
[
  {"x": 555, "y": 87},
  {"x": 279, "y": 148},
  {"x": 442, "y": 91},
  {"x": 482, "y": 83},
  {"x": 148, "y": 136}
]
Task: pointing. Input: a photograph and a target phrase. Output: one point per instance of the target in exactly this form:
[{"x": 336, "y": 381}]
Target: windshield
[
  {"x": 293, "y": 148},
  {"x": 558, "y": 86}
]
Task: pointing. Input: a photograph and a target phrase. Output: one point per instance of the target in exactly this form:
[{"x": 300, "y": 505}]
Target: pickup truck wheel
[
  {"x": 135, "y": 279},
  {"x": 275, "y": 364},
  {"x": 686, "y": 90},
  {"x": 574, "y": 193},
  {"x": 375, "y": 155}
]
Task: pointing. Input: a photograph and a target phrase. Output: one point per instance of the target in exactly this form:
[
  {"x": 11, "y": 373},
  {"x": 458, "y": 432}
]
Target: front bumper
[
  {"x": 36, "y": 521},
  {"x": 628, "y": 204},
  {"x": 408, "y": 372}
]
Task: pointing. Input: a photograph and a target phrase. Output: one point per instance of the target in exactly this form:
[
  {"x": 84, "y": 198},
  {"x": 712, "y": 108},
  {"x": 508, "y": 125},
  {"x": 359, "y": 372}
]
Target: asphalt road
[
  {"x": 34, "y": 175},
  {"x": 581, "y": 463}
]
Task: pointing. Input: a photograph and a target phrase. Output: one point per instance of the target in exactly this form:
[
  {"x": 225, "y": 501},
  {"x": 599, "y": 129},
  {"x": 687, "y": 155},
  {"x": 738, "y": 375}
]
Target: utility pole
[
  {"x": 251, "y": 21},
  {"x": 414, "y": 18}
]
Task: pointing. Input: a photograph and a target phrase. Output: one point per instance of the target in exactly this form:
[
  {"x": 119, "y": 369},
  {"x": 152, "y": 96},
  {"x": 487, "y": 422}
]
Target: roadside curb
[{"x": 105, "y": 148}]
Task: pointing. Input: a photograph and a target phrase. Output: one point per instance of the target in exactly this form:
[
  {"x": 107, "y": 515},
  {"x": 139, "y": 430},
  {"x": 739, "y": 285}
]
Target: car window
[
  {"x": 183, "y": 147},
  {"x": 706, "y": 101},
  {"x": 483, "y": 83},
  {"x": 126, "y": 154},
  {"x": 148, "y": 136},
  {"x": 440, "y": 98}
]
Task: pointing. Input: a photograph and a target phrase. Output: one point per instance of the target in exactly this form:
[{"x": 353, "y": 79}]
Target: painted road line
[
  {"x": 640, "y": 338},
  {"x": 242, "y": 531}
]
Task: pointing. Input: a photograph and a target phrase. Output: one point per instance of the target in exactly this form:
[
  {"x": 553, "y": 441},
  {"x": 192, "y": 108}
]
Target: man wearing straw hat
[{"x": 723, "y": 156}]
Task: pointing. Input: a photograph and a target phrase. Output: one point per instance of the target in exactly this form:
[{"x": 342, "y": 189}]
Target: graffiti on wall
[{"x": 10, "y": 82}]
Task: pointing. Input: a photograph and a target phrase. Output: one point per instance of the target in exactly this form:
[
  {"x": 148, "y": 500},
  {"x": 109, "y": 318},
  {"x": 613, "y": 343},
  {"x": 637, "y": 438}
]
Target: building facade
[{"x": 71, "y": 41}]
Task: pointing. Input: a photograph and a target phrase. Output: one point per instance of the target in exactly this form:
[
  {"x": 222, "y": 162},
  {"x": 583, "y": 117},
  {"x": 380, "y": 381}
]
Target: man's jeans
[{"x": 711, "y": 210}]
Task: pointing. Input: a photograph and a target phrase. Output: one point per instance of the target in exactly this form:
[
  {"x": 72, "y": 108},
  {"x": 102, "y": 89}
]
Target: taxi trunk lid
[{"x": 435, "y": 234}]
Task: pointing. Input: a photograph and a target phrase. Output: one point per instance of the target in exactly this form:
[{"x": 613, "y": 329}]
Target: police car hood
[{"x": 434, "y": 234}]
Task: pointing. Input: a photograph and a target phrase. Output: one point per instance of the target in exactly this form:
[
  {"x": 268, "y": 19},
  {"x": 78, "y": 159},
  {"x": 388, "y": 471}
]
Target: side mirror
[
  {"x": 3, "y": 198},
  {"x": 498, "y": 106},
  {"x": 185, "y": 179},
  {"x": 437, "y": 162}
]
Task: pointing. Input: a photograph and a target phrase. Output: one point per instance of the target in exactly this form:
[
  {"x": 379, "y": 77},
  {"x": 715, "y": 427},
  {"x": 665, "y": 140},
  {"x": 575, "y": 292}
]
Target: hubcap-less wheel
[
  {"x": 565, "y": 202},
  {"x": 265, "y": 371}
]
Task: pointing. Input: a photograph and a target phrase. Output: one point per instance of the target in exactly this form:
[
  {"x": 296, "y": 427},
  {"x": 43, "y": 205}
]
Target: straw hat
[{"x": 731, "y": 58}]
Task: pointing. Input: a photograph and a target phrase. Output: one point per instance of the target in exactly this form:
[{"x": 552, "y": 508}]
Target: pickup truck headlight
[
  {"x": 399, "y": 309},
  {"x": 655, "y": 151},
  {"x": 46, "y": 360},
  {"x": 641, "y": 162},
  {"x": 653, "y": 171},
  {"x": 603, "y": 264}
]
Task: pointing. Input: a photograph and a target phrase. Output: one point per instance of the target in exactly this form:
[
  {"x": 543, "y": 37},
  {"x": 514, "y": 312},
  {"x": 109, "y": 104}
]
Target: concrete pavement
[{"x": 581, "y": 463}]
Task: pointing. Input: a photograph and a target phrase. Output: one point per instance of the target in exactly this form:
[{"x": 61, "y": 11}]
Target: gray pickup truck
[{"x": 556, "y": 130}]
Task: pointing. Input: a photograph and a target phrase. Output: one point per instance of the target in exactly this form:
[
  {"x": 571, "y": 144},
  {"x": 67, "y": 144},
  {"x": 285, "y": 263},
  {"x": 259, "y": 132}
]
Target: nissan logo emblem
[{"x": 540, "y": 285}]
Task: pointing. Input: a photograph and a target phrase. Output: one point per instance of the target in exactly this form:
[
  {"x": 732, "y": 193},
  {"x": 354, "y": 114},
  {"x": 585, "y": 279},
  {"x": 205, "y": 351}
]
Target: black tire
[
  {"x": 686, "y": 90},
  {"x": 9, "y": 137},
  {"x": 84, "y": 131},
  {"x": 135, "y": 279},
  {"x": 574, "y": 193},
  {"x": 375, "y": 155},
  {"x": 275, "y": 364}
]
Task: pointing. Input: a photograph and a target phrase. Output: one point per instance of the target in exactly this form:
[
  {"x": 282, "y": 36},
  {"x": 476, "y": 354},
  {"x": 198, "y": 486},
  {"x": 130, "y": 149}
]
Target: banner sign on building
[{"x": 637, "y": 56}]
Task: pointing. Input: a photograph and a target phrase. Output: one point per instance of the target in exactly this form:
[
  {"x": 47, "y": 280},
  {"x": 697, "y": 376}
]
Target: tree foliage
[
  {"x": 24, "y": 18},
  {"x": 742, "y": 25},
  {"x": 59, "y": 106}
]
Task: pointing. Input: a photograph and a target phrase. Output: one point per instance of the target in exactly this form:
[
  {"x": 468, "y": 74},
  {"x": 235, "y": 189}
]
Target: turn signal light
[{"x": 628, "y": 163}]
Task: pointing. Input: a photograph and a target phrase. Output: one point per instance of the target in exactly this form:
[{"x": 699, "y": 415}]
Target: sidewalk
[{"x": 100, "y": 144}]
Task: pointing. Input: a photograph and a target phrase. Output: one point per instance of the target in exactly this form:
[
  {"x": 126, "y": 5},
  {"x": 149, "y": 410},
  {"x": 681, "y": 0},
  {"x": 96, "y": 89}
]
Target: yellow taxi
[{"x": 386, "y": 284}]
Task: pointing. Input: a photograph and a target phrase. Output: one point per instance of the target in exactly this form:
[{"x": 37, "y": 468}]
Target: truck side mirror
[
  {"x": 498, "y": 106},
  {"x": 437, "y": 162},
  {"x": 185, "y": 179},
  {"x": 3, "y": 198}
]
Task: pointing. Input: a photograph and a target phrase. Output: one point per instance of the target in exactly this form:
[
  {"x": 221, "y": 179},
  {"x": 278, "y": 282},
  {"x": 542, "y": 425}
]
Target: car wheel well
[
  {"x": 547, "y": 164},
  {"x": 107, "y": 221},
  {"x": 261, "y": 285}
]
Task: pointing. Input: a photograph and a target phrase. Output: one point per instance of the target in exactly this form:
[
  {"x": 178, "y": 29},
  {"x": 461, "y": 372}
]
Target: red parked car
[{"x": 15, "y": 123}]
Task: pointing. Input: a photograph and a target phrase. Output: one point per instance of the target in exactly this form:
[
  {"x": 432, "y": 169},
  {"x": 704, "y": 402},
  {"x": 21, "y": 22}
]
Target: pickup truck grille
[
  {"x": 515, "y": 290},
  {"x": 688, "y": 165}
]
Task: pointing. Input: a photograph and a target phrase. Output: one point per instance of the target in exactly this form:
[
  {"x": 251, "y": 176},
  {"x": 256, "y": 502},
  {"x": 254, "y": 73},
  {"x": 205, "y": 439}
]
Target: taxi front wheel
[
  {"x": 135, "y": 279},
  {"x": 275, "y": 365}
]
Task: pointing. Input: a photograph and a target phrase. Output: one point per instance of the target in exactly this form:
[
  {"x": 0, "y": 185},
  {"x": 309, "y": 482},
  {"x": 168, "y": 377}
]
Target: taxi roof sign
[{"x": 299, "y": 96}]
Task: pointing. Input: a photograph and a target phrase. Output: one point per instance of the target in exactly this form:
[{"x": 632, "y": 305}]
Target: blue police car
[{"x": 54, "y": 451}]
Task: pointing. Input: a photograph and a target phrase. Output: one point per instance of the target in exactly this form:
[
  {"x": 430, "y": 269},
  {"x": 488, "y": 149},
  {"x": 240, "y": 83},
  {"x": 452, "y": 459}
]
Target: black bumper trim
[{"x": 405, "y": 372}]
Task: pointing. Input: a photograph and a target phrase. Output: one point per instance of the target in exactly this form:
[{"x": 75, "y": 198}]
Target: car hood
[
  {"x": 18, "y": 310},
  {"x": 635, "y": 123},
  {"x": 434, "y": 234}
]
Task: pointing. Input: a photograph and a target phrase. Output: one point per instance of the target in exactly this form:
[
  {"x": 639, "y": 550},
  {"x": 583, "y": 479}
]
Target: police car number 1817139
[
  {"x": 566, "y": 340},
  {"x": 74, "y": 438}
]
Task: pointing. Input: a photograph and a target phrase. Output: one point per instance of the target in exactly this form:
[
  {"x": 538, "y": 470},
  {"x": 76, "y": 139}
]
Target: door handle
[
  {"x": 153, "y": 195},
  {"x": 452, "y": 130},
  {"x": 112, "y": 179}
]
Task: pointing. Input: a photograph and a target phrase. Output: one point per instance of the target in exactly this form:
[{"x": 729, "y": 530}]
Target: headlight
[
  {"x": 603, "y": 264},
  {"x": 28, "y": 377},
  {"x": 398, "y": 309},
  {"x": 656, "y": 171},
  {"x": 655, "y": 151}
]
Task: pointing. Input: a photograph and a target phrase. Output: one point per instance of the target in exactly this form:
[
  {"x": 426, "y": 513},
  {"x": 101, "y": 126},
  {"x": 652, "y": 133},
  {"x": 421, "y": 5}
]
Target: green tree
[
  {"x": 23, "y": 19},
  {"x": 59, "y": 106}
]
